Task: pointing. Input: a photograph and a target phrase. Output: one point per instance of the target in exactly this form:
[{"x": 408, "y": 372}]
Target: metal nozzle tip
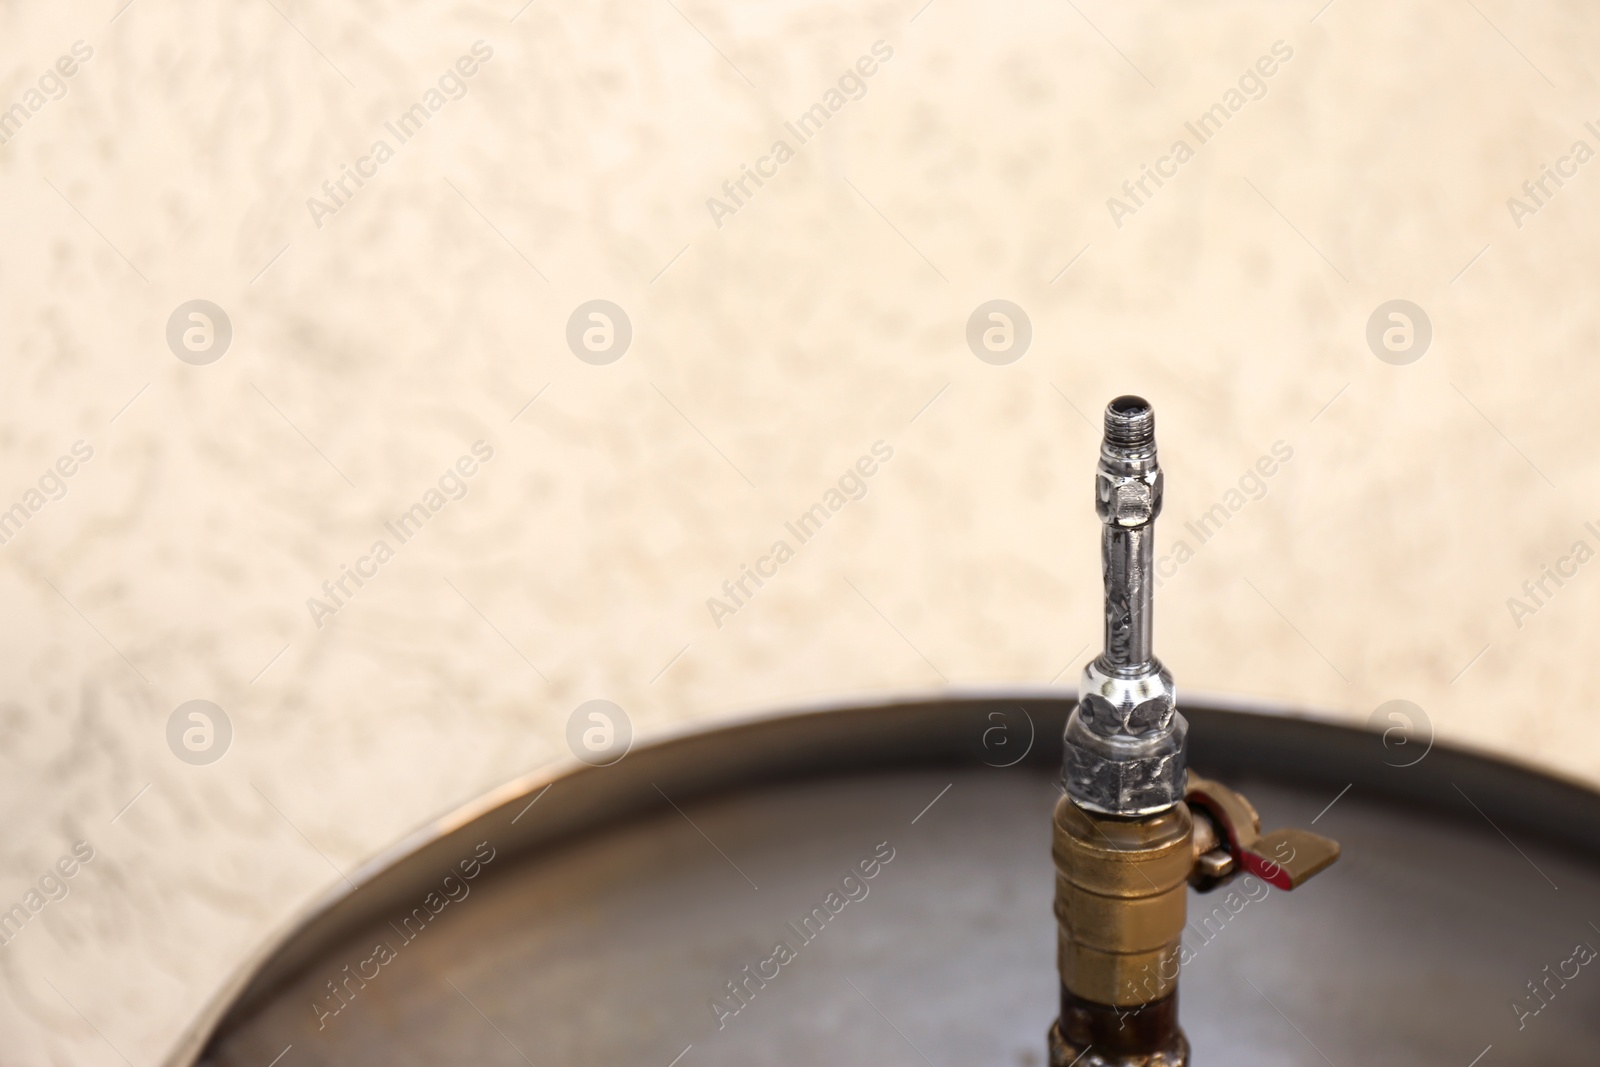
[{"x": 1130, "y": 422}]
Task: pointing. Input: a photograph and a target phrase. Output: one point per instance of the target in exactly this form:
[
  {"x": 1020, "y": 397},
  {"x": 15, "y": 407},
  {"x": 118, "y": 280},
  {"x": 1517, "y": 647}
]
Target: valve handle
[{"x": 1284, "y": 859}]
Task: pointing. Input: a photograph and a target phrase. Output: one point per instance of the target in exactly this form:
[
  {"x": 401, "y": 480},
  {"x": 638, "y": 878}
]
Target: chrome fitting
[{"x": 1125, "y": 740}]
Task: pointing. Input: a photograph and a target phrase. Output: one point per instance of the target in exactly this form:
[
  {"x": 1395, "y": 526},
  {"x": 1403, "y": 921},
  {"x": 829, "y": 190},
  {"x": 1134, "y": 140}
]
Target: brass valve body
[{"x": 1121, "y": 899}]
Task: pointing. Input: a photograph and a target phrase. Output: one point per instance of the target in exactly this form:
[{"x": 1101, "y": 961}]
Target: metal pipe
[
  {"x": 1128, "y": 501},
  {"x": 1126, "y": 557},
  {"x": 1123, "y": 838},
  {"x": 1126, "y": 844},
  {"x": 1124, "y": 744}
]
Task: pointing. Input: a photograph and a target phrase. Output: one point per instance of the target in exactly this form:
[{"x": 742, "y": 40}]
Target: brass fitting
[
  {"x": 1122, "y": 904},
  {"x": 1121, "y": 895}
]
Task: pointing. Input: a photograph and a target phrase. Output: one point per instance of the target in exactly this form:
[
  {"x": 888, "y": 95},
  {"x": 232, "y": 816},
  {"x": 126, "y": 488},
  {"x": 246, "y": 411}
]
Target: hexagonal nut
[
  {"x": 1124, "y": 776},
  {"x": 1133, "y": 707},
  {"x": 1128, "y": 499}
]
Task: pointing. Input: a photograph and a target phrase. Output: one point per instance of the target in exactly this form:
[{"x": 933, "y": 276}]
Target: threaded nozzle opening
[{"x": 1130, "y": 422}]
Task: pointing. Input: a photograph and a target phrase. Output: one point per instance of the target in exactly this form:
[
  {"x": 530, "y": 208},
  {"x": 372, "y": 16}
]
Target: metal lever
[{"x": 1228, "y": 839}]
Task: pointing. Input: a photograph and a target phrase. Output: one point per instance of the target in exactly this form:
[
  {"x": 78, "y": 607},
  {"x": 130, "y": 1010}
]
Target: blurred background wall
[{"x": 1354, "y": 501}]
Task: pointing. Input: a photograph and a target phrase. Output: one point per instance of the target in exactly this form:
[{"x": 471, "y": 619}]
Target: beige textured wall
[{"x": 372, "y": 350}]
